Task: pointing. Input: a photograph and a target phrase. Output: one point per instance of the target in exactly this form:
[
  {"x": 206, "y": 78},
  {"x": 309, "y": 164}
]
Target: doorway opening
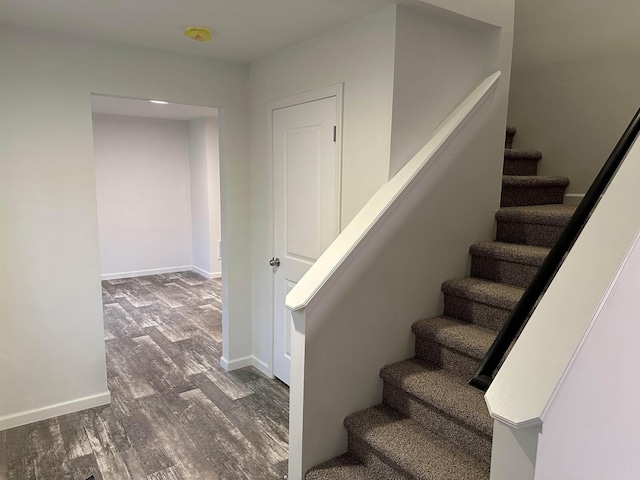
[
  {"x": 158, "y": 196},
  {"x": 157, "y": 186}
]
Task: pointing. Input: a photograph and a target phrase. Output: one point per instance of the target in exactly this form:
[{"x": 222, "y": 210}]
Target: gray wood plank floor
[{"x": 175, "y": 414}]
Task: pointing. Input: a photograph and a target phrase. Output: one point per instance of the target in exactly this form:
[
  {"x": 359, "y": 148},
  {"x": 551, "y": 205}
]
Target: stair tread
[
  {"x": 534, "y": 181},
  {"x": 519, "y": 154},
  {"x": 464, "y": 337},
  {"x": 550, "y": 214},
  {"x": 443, "y": 390},
  {"x": 484, "y": 291},
  {"x": 343, "y": 467},
  {"x": 510, "y": 252},
  {"x": 409, "y": 447}
]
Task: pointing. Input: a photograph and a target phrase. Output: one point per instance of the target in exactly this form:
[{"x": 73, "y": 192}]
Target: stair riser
[
  {"x": 468, "y": 440},
  {"x": 430, "y": 351},
  {"x": 487, "y": 316},
  {"x": 508, "y": 141},
  {"x": 373, "y": 460},
  {"x": 528, "y": 233},
  {"x": 521, "y": 196},
  {"x": 520, "y": 167},
  {"x": 503, "y": 271}
]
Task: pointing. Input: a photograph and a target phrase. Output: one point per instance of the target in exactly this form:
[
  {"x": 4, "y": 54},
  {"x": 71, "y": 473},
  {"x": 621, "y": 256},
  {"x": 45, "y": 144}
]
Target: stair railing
[{"x": 524, "y": 309}]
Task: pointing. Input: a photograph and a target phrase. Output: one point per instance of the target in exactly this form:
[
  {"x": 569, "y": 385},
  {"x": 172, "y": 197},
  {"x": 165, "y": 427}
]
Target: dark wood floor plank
[
  {"x": 84, "y": 467},
  {"x": 151, "y": 454},
  {"x": 119, "y": 323},
  {"x": 74, "y": 436},
  {"x": 171, "y": 323},
  {"x": 175, "y": 413},
  {"x": 265, "y": 438},
  {"x": 219, "y": 440},
  {"x": 122, "y": 363},
  {"x": 105, "y": 431},
  {"x": 113, "y": 465},
  {"x": 4, "y": 471},
  {"x": 176, "y": 351},
  {"x": 21, "y": 452},
  {"x": 160, "y": 367},
  {"x": 175, "y": 440}
]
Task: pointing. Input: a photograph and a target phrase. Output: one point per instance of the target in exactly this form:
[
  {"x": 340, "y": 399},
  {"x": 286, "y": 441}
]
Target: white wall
[
  {"x": 575, "y": 111},
  {"x": 359, "y": 55},
  {"x": 143, "y": 194},
  {"x": 51, "y": 342},
  {"x": 438, "y": 60},
  {"x": 205, "y": 195},
  {"x": 592, "y": 430}
]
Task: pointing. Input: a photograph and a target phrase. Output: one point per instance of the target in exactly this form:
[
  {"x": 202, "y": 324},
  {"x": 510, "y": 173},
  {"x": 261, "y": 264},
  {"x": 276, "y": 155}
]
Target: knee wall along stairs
[{"x": 431, "y": 424}]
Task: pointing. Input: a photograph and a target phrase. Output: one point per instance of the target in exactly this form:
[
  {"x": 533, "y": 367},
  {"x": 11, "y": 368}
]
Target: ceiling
[
  {"x": 546, "y": 31},
  {"x": 243, "y": 30}
]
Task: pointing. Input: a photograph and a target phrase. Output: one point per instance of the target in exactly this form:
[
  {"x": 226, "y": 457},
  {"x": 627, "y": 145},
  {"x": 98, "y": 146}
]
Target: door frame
[{"x": 335, "y": 90}]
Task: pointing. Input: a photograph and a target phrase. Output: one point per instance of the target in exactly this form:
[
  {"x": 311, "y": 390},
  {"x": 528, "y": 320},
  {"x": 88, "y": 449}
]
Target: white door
[{"x": 306, "y": 194}]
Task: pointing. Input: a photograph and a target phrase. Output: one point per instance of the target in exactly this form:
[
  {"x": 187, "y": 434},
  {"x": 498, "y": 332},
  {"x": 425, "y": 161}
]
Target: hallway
[{"x": 175, "y": 414}]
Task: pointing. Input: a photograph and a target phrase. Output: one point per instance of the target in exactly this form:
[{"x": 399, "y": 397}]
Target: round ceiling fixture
[{"x": 199, "y": 34}]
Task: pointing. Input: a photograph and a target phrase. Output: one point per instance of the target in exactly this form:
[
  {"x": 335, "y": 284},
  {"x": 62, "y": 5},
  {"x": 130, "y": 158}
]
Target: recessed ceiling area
[
  {"x": 133, "y": 107},
  {"x": 242, "y": 30}
]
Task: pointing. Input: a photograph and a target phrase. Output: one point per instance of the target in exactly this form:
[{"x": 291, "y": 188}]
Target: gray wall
[
  {"x": 52, "y": 343},
  {"x": 143, "y": 192},
  {"x": 575, "y": 112},
  {"x": 574, "y": 84}
]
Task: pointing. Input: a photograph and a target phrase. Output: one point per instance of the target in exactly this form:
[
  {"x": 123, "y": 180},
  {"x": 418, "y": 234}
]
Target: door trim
[{"x": 329, "y": 91}]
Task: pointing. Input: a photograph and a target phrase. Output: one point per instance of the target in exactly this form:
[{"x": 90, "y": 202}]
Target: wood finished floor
[{"x": 175, "y": 414}]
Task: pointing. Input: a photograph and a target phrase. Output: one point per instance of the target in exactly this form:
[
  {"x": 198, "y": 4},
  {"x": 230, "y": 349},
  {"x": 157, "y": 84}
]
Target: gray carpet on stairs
[
  {"x": 521, "y": 162},
  {"x": 431, "y": 424}
]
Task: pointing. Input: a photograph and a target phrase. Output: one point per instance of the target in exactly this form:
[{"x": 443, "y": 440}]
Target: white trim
[
  {"x": 573, "y": 198},
  {"x": 159, "y": 271},
  {"x": 206, "y": 274},
  {"x": 329, "y": 91},
  {"x": 263, "y": 367},
  {"x": 229, "y": 365},
  {"x": 50, "y": 411},
  {"x": 144, "y": 273},
  {"x": 533, "y": 422},
  {"x": 201, "y": 271},
  {"x": 350, "y": 241}
]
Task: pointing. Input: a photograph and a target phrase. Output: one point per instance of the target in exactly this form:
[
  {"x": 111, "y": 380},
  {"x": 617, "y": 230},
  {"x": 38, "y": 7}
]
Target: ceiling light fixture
[
  {"x": 159, "y": 102},
  {"x": 199, "y": 34}
]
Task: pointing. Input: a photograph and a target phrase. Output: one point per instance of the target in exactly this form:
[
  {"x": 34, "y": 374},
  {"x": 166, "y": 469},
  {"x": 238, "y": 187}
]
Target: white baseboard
[
  {"x": 248, "y": 361},
  {"x": 206, "y": 274},
  {"x": 159, "y": 271},
  {"x": 573, "y": 198},
  {"x": 263, "y": 367},
  {"x": 229, "y": 365},
  {"x": 50, "y": 411},
  {"x": 144, "y": 273}
]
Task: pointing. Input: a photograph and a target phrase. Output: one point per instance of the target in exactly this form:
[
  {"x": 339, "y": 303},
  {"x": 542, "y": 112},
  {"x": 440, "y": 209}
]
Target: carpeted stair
[{"x": 431, "y": 423}]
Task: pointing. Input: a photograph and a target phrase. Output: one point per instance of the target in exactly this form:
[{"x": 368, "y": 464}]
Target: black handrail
[{"x": 525, "y": 307}]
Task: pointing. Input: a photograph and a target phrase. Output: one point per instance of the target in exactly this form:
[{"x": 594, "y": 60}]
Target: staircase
[{"x": 431, "y": 424}]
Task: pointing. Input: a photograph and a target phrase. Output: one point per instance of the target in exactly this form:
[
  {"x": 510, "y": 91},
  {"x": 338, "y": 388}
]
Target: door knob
[{"x": 274, "y": 262}]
